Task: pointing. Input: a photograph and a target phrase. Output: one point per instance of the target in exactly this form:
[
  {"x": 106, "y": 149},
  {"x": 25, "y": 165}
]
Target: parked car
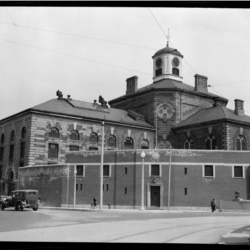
[{"x": 21, "y": 199}]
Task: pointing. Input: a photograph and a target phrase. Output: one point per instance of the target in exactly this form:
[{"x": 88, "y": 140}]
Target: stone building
[{"x": 166, "y": 113}]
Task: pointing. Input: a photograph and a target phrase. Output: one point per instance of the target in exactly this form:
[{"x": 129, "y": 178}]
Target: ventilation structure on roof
[
  {"x": 239, "y": 107},
  {"x": 200, "y": 83},
  {"x": 132, "y": 85}
]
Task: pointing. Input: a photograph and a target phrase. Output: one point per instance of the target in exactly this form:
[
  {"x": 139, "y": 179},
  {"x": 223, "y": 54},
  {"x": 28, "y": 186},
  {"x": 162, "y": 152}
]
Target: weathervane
[{"x": 168, "y": 37}]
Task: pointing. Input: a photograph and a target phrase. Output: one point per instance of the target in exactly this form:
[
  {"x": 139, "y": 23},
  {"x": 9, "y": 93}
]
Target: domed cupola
[{"x": 167, "y": 64}]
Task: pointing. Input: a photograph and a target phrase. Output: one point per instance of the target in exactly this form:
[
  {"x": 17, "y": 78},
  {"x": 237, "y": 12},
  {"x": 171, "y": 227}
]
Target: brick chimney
[
  {"x": 200, "y": 83},
  {"x": 132, "y": 85},
  {"x": 239, "y": 107}
]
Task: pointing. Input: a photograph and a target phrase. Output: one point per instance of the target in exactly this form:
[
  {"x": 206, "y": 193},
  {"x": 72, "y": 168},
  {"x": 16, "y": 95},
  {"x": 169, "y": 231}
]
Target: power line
[
  {"x": 230, "y": 83},
  {"x": 74, "y": 56},
  {"x": 9, "y": 16},
  {"x": 157, "y": 22}
]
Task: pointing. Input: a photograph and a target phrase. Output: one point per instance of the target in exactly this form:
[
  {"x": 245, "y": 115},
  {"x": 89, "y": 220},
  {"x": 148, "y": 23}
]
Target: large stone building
[{"x": 166, "y": 113}]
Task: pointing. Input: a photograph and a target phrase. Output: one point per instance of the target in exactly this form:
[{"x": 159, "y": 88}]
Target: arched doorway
[{"x": 10, "y": 182}]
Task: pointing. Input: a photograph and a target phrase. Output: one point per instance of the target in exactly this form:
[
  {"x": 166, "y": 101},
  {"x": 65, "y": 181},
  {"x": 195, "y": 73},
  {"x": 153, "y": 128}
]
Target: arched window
[
  {"x": 144, "y": 144},
  {"x": 189, "y": 144},
  {"x": 23, "y": 135},
  {"x": 12, "y": 136},
  {"x": 129, "y": 143},
  {"x": 54, "y": 133},
  {"x": 211, "y": 143},
  {"x": 93, "y": 137},
  {"x": 2, "y": 139},
  {"x": 74, "y": 135},
  {"x": 241, "y": 143},
  {"x": 175, "y": 71},
  {"x": 112, "y": 141}
]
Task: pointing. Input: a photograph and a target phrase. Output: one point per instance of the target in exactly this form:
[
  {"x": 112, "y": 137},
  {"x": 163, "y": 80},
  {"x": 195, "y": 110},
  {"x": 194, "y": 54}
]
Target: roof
[
  {"x": 168, "y": 50},
  {"x": 88, "y": 110},
  {"x": 169, "y": 84},
  {"x": 211, "y": 115}
]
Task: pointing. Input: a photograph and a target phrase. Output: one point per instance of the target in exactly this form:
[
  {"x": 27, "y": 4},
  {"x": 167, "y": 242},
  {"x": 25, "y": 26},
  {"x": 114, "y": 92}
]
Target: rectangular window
[
  {"x": 93, "y": 148},
  {"x": 22, "y": 150},
  {"x": 126, "y": 170},
  {"x": 185, "y": 191},
  {"x": 106, "y": 170},
  {"x": 11, "y": 152},
  {"x": 155, "y": 170},
  {"x": 1, "y": 170},
  {"x": 1, "y": 153},
  {"x": 208, "y": 171},
  {"x": 185, "y": 170},
  {"x": 158, "y": 72},
  {"x": 76, "y": 187},
  {"x": 238, "y": 171},
  {"x": 107, "y": 187},
  {"x": 80, "y": 170},
  {"x": 81, "y": 186},
  {"x": 125, "y": 190},
  {"x": 53, "y": 150},
  {"x": 73, "y": 148}
]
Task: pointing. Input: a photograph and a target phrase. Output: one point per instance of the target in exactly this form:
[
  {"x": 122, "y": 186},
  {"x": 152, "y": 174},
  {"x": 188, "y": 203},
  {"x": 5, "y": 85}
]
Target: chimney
[
  {"x": 239, "y": 108},
  {"x": 200, "y": 83},
  {"x": 132, "y": 85}
]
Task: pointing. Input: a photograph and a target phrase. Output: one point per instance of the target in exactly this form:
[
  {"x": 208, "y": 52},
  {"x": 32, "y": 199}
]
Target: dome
[{"x": 168, "y": 50}]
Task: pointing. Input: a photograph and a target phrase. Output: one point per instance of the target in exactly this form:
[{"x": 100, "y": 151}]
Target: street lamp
[
  {"x": 169, "y": 178},
  {"x": 142, "y": 180},
  {"x": 75, "y": 172},
  {"x": 101, "y": 168}
]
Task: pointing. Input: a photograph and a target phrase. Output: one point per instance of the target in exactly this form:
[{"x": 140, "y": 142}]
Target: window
[
  {"x": 241, "y": 143},
  {"x": 81, "y": 186},
  {"x": 1, "y": 153},
  {"x": 125, "y": 190},
  {"x": 12, "y": 136},
  {"x": 93, "y": 148},
  {"x": 93, "y": 137},
  {"x": 175, "y": 71},
  {"x": 155, "y": 170},
  {"x": 107, "y": 187},
  {"x": 54, "y": 133},
  {"x": 158, "y": 72},
  {"x": 76, "y": 187},
  {"x": 80, "y": 170},
  {"x": 53, "y": 150},
  {"x": 209, "y": 171},
  {"x": 2, "y": 139},
  {"x": 73, "y": 148},
  {"x": 185, "y": 170},
  {"x": 21, "y": 164},
  {"x": 106, "y": 171},
  {"x": 22, "y": 150},
  {"x": 126, "y": 170},
  {"x": 238, "y": 172},
  {"x": 189, "y": 144},
  {"x": 74, "y": 135},
  {"x": 11, "y": 155},
  {"x": 112, "y": 141},
  {"x": 23, "y": 135},
  {"x": 211, "y": 142},
  {"x": 1, "y": 171},
  {"x": 129, "y": 143},
  {"x": 185, "y": 191},
  {"x": 144, "y": 144}
]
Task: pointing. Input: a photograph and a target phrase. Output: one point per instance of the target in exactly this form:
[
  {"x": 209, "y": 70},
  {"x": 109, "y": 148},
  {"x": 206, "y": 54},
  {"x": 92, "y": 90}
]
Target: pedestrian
[
  {"x": 213, "y": 206},
  {"x": 94, "y": 202}
]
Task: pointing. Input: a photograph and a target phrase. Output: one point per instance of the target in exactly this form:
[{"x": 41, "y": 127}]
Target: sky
[{"x": 90, "y": 51}]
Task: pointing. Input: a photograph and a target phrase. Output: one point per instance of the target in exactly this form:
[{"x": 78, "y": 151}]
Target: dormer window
[{"x": 175, "y": 71}]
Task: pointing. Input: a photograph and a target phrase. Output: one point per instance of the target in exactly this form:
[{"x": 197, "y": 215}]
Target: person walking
[
  {"x": 94, "y": 202},
  {"x": 213, "y": 206}
]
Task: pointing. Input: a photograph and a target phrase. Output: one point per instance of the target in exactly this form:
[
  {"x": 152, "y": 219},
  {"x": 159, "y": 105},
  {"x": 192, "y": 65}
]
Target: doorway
[{"x": 155, "y": 196}]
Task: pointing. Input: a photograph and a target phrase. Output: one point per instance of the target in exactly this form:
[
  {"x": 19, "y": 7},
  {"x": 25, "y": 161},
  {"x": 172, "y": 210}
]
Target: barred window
[
  {"x": 93, "y": 137},
  {"x": 74, "y": 135},
  {"x": 73, "y": 148},
  {"x": 53, "y": 150},
  {"x": 129, "y": 143},
  {"x": 54, "y": 133},
  {"x": 112, "y": 141},
  {"x": 144, "y": 144}
]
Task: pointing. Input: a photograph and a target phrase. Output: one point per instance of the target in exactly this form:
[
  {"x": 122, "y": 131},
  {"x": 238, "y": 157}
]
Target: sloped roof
[
  {"x": 88, "y": 110},
  {"x": 168, "y": 50},
  {"x": 211, "y": 115}
]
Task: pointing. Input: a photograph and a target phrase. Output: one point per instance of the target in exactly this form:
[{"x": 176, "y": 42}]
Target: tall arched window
[
  {"x": 1, "y": 148},
  {"x": 23, "y": 135},
  {"x": 12, "y": 136},
  {"x": 112, "y": 141},
  {"x": 74, "y": 135},
  {"x": 22, "y": 146},
  {"x": 144, "y": 144},
  {"x": 54, "y": 133},
  {"x": 189, "y": 144},
  {"x": 211, "y": 142},
  {"x": 2, "y": 139},
  {"x": 241, "y": 143},
  {"x": 129, "y": 143},
  {"x": 93, "y": 137}
]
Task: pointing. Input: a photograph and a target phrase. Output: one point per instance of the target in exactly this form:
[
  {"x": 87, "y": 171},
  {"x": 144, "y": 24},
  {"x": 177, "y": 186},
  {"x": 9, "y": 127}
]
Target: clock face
[
  {"x": 158, "y": 63},
  {"x": 175, "y": 61}
]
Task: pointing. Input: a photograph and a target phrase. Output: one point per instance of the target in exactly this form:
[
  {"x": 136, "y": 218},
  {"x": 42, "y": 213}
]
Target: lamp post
[
  {"x": 142, "y": 181},
  {"x": 75, "y": 172},
  {"x": 101, "y": 168},
  {"x": 169, "y": 178}
]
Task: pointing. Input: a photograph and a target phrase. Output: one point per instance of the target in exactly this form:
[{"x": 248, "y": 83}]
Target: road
[{"x": 47, "y": 225}]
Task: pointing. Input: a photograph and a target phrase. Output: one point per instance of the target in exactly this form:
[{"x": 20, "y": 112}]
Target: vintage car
[{"x": 21, "y": 199}]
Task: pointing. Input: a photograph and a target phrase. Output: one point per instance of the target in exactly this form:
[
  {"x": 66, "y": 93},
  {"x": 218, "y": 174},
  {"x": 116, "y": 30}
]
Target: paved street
[{"x": 119, "y": 226}]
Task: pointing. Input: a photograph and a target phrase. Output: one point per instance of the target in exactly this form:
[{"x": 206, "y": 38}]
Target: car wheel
[
  {"x": 19, "y": 207},
  {"x": 2, "y": 207},
  {"x": 35, "y": 208}
]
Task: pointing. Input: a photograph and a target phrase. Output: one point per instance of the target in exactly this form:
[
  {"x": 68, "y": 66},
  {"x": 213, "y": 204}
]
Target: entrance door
[{"x": 155, "y": 196}]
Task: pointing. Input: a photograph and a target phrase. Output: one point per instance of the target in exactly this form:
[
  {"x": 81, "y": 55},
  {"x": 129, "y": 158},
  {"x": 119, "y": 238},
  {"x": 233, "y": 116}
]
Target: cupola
[{"x": 167, "y": 64}]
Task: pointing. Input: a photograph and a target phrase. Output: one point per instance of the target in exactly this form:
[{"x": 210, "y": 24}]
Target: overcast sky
[{"x": 43, "y": 49}]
